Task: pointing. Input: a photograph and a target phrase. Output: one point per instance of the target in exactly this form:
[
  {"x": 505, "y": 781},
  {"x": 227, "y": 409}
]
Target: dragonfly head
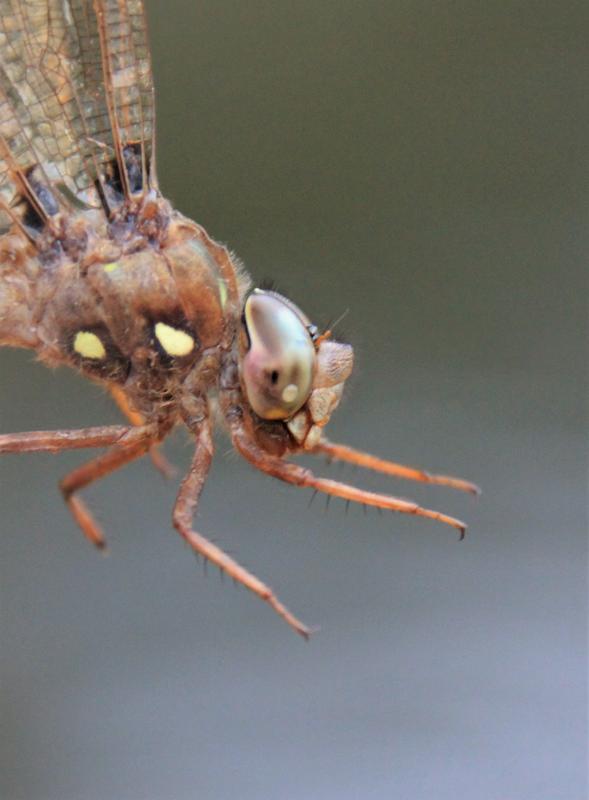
[{"x": 289, "y": 372}]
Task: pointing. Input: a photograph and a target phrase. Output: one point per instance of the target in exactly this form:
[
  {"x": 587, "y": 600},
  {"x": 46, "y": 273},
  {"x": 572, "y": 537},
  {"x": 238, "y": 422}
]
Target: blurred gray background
[{"x": 419, "y": 164}]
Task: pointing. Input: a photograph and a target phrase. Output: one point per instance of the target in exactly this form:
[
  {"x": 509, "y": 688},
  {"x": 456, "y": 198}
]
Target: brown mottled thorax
[{"x": 158, "y": 299}]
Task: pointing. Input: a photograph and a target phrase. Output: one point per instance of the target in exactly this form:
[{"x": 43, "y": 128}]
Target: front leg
[
  {"x": 341, "y": 452},
  {"x": 183, "y": 514},
  {"x": 299, "y": 476}
]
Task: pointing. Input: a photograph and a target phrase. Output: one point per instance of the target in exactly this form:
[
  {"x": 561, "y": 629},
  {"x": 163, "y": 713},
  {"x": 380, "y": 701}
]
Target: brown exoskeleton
[{"x": 97, "y": 271}]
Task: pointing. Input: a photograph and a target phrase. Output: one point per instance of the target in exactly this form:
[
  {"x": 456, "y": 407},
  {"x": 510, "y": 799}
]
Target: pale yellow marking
[
  {"x": 88, "y": 345},
  {"x": 174, "y": 341},
  {"x": 290, "y": 392},
  {"x": 222, "y": 292},
  {"x": 112, "y": 266}
]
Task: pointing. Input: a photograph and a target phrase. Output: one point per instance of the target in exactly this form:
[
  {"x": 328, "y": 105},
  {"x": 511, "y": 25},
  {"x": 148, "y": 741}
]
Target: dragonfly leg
[
  {"x": 158, "y": 459},
  {"x": 97, "y": 468},
  {"x": 55, "y": 441},
  {"x": 341, "y": 452},
  {"x": 183, "y": 514},
  {"x": 299, "y": 476}
]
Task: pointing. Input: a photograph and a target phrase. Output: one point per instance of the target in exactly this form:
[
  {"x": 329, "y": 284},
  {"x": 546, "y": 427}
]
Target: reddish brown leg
[
  {"x": 299, "y": 476},
  {"x": 99, "y": 467},
  {"x": 340, "y": 452},
  {"x": 158, "y": 459},
  {"x": 55, "y": 441},
  {"x": 184, "y": 510}
]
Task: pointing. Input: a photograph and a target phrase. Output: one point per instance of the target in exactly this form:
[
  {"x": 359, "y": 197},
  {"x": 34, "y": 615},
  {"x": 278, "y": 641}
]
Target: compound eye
[{"x": 277, "y": 370}]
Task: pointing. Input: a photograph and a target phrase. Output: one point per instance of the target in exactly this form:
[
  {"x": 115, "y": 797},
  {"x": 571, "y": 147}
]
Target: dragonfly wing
[{"x": 76, "y": 107}]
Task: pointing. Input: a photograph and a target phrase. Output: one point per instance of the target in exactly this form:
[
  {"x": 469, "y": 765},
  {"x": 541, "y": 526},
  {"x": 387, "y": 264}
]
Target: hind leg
[
  {"x": 55, "y": 441},
  {"x": 126, "y": 445},
  {"x": 93, "y": 470}
]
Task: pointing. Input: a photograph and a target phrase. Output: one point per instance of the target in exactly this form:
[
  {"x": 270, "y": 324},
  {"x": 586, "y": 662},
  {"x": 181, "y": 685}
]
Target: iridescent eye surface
[{"x": 277, "y": 369}]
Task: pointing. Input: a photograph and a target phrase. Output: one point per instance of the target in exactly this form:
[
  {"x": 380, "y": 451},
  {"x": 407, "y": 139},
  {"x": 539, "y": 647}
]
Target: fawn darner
[{"x": 99, "y": 272}]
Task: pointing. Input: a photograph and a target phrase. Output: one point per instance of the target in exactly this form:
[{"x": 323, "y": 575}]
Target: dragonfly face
[{"x": 100, "y": 273}]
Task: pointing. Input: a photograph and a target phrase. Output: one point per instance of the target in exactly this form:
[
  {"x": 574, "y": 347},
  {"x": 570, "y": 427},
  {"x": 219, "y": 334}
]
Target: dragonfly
[{"x": 100, "y": 273}]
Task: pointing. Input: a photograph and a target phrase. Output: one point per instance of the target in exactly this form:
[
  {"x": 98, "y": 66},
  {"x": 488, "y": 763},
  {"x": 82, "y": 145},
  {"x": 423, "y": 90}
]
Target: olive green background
[{"x": 422, "y": 166}]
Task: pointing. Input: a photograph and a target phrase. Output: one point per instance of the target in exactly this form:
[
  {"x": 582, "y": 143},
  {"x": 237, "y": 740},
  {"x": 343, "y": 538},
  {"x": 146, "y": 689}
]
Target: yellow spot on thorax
[
  {"x": 174, "y": 341},
  {"x": 112, "y": 266},
  {"x": 88, "y": 345}
]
